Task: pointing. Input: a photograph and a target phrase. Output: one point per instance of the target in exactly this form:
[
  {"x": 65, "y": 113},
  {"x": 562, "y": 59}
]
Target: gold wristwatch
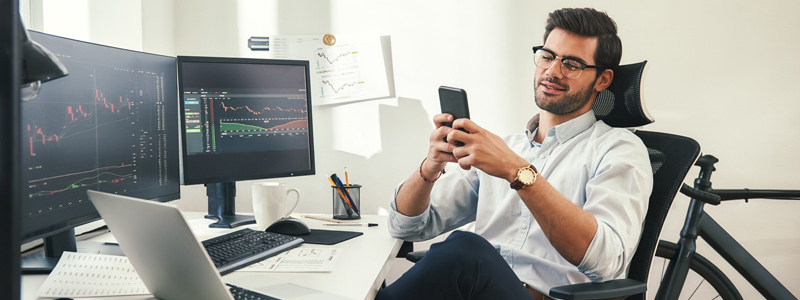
[{"x": 526, "y": 176}]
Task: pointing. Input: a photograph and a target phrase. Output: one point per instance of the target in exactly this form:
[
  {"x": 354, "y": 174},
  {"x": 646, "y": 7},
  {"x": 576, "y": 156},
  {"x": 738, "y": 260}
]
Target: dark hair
[{"x": 589, "y": 22}]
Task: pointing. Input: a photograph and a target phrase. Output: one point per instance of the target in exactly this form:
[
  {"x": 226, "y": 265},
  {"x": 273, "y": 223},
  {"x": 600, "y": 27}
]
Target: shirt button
[
  {"x": 542, "y": 156},
  {"x": 524, "y": 226}
]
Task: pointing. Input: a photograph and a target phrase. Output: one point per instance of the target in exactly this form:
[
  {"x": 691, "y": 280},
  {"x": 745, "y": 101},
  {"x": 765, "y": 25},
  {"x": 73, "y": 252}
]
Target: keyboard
[
  {"x": 245, "y": 294},
  {"x": 244, "y": 247}
]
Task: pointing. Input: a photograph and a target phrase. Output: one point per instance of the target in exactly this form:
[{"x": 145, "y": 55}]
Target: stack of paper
[{"x": 92, "y": 275}]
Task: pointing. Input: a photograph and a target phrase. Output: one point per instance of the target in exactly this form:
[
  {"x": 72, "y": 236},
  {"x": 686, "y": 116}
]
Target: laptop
[{"x": 171, "y": 262}]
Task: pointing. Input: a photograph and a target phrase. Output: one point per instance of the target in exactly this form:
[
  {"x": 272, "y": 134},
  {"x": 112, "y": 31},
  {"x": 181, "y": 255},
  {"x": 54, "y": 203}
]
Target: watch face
[{"x": 526, "y": 176}]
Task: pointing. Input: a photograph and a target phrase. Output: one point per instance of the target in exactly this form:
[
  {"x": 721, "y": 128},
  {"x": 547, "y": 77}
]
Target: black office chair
[{"x": 671, "y": 157}]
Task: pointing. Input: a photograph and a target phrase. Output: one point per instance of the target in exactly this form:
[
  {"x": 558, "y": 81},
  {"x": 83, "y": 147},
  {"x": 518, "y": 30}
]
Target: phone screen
[{"x": 454, "y": 101}]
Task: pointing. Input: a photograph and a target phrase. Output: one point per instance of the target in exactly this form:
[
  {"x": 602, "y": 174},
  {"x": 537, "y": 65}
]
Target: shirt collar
[{"x": 566, "y": 130}]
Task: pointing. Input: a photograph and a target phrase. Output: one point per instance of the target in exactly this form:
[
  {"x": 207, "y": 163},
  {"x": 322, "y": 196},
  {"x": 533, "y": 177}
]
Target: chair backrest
[
  {"x": 621, "y": 104},
  {"x": 671, "y": 157}
]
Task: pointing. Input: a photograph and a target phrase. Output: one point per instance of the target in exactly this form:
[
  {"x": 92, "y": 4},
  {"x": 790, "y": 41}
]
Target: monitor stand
[
  {"x": 43, "y": 262},
  {"x": 222, "y": 206}
]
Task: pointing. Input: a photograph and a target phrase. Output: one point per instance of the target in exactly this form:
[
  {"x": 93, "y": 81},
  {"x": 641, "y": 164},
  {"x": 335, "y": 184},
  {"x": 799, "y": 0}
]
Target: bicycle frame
[
  {"x": 698, "y": 223},
  {"x": 724, "y": 244}
]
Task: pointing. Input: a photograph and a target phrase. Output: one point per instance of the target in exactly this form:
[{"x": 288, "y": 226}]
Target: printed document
[
  {"x": 350, "y": 69},
  {"x": 299, "y": 260},
  {"x": 80, "y": 275}
]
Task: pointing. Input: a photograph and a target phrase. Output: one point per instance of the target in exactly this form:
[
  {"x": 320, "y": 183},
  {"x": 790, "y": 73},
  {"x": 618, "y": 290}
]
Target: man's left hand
[{"x": 484, "y": 150}]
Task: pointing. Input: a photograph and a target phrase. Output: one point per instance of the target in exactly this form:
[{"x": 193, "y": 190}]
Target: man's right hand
[
  {"x": 413, "y": 197},
  {"x": 440, "y": 151}
]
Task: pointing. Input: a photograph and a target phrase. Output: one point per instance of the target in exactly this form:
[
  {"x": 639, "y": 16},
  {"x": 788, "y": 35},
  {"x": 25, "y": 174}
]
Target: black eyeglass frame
[{"x": 582, "y": 64}]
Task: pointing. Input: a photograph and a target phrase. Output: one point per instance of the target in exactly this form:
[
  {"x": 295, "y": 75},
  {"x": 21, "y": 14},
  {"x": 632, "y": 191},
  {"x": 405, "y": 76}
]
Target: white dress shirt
[{"x": 605, "y": 171}]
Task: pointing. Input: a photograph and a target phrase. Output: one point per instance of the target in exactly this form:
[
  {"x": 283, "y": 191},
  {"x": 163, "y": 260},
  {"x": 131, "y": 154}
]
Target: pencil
[
  {"x": 352, "y": 224},
  {"x": 325, "y": 219},
  {"x": 346, "y": 178}
]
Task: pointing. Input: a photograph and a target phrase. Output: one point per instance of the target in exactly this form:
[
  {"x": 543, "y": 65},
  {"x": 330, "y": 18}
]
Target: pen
[
  {"x": 347, "y": 205},
  {"x": 336, "y": 182},
  {"x": 346, "y": 193},
  {"x": 352, "y": 224}
]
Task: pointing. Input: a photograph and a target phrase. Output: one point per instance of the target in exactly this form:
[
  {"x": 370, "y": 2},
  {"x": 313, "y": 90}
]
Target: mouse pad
[{"x": 328, "y": 237}]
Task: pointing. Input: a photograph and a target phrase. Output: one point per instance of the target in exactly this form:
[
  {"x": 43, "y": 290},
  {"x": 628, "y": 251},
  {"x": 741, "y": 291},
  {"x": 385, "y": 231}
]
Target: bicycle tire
[{"x": 710, "y": 274}]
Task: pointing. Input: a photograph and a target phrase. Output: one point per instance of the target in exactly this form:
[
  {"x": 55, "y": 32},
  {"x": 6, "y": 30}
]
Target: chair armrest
[
  {"x": 416, "y": 255},
  {"x": 617, "y": 288}
]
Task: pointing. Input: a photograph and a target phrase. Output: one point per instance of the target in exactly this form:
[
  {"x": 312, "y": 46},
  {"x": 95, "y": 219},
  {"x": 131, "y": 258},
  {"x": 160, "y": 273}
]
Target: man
[{"x": 561, "y": 203}]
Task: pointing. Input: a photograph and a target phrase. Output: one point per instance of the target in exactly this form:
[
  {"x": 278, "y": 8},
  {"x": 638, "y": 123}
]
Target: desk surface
[{"x": 358, "y": 274}]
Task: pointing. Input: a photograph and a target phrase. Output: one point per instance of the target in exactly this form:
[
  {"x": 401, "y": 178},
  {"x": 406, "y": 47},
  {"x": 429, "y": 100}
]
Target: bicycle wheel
[{"x": 704, "y": 281}]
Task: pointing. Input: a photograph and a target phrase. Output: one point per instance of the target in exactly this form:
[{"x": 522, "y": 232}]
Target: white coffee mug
[{"x": 269, "y": 202}]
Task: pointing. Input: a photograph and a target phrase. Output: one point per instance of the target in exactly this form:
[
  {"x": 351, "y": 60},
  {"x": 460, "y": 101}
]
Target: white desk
[{"x": 358, "y": 274}]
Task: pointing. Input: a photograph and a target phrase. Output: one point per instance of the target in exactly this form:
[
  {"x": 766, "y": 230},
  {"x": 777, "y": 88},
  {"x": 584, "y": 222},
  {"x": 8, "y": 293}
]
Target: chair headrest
[{"x": 620, "y": 105}]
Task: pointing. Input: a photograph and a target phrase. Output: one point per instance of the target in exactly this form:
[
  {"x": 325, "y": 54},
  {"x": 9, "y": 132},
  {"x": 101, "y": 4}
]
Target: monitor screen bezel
[
  {"x": 188, "y": 175},
  {"x": 89, "y": 213}
]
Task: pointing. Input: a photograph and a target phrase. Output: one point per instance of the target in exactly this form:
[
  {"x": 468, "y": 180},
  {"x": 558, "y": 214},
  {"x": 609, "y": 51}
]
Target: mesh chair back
[{"x": 620, "y": 105}]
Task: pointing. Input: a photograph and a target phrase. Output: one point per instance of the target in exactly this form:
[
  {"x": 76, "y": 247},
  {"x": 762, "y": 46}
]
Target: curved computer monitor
[
  {"x": 243, "y": 119},
  {"x": 110, "y": 125}
]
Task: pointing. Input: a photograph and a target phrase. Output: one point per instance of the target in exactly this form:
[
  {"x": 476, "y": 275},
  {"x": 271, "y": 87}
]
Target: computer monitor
[
  {"x": 243, "y": 119},
  {"x": 110, "y": 125}
]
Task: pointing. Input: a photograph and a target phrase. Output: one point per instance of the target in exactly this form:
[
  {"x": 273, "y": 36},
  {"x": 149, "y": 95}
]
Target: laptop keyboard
[
  {"x": 244, "y": 247},
  {"x": 245, "y": 294}
]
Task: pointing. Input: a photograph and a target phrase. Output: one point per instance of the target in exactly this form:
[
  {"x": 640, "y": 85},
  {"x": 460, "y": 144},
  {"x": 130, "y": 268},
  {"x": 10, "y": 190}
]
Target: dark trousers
[{"x": 464, "y": 266}]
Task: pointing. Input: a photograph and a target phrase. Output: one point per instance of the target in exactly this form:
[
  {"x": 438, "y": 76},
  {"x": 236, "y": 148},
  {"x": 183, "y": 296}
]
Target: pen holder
[{"x": 347, "y": 202}]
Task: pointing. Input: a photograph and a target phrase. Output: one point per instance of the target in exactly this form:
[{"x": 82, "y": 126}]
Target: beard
[{"x": 569, "y": 103}]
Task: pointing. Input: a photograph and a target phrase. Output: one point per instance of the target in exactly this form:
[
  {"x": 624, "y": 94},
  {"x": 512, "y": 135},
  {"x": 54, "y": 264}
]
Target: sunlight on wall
[
  {"x": 67, "y": 18},
  {"x": 356, "y": 128},
  {"x": 116, "y": 23}
]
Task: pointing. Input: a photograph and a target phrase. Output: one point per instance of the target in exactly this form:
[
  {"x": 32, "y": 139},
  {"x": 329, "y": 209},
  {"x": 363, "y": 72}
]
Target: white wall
[
  {"x": 722, "y": 73},
  {"x": 110, "y": 22}
]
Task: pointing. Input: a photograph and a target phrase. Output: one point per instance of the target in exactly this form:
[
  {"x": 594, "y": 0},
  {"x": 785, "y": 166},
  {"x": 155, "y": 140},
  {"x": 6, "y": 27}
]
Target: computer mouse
[{"x": 289, "y": 226}]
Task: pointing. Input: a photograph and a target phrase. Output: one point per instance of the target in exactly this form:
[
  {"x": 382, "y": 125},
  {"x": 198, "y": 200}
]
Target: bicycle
[{"x": 685, "y": 263}]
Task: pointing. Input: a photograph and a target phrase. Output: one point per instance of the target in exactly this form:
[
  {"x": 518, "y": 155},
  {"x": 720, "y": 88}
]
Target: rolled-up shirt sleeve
[
  {"x": 453, "y": 203},
  {"x": 617, "y": 196}
]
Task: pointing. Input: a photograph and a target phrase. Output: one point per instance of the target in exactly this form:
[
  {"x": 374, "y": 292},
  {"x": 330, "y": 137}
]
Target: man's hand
[
  {"x": 414, "y": 196},
  {"x": 483, "y": 150},
  {"x": 440, "y": 151}
]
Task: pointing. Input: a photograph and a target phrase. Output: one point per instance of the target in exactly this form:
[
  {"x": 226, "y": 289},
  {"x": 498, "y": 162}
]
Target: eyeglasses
[{"x": 570, "y": 67}]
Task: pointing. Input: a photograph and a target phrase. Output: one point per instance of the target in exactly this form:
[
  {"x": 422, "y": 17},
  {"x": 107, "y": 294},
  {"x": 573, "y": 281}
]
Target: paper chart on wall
[
  {"x": 92, "y": 275},
  {"x": 343, "y": 68},
  {"x": 299, "y": 260}
]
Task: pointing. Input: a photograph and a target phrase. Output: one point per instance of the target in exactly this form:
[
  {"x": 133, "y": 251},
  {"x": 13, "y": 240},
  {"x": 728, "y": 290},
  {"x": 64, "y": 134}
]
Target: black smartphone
[{"x": 453, "y": 101}]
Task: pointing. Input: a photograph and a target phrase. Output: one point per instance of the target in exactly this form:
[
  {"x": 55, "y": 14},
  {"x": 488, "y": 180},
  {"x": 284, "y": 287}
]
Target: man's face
[{"x": 557, "y": 93}]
